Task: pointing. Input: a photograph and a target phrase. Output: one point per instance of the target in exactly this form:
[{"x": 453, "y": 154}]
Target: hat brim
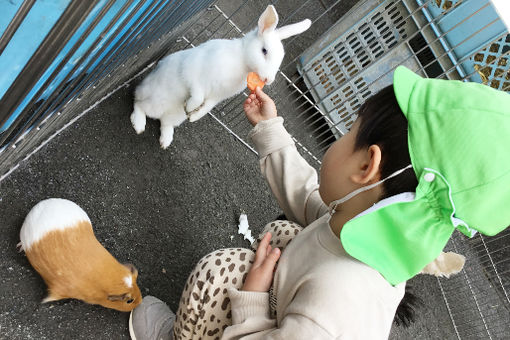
[{"x": 404, "y": 81}]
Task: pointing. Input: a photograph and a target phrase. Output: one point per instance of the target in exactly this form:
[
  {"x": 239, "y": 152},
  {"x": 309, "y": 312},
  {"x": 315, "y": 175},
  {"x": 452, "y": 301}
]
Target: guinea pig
[{"x": 59, "y": 242}]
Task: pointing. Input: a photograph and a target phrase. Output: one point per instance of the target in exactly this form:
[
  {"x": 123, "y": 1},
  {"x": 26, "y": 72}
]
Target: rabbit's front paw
[
  {"x": 195, "y": 116},
  {"x": 194, "y": 104},
  {"x": 138, "y": 121},
  {"x": 201, "y": 111}
]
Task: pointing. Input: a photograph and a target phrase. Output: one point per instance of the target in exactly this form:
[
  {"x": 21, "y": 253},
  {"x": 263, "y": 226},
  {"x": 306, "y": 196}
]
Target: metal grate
[
  {"x": 446, "y": 5},
  {"x": 335, "y": 74},
  {"x": 478, "y": 296},
  {"x": 493, "y": 64}
]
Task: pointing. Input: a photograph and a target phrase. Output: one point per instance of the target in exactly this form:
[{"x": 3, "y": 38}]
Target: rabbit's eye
[
  {"x": 130, "y": 301},
  {"x": 264, "y": 50}
]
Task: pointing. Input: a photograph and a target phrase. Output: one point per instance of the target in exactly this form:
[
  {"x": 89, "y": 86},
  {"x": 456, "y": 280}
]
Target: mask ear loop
[{"x": 334, "y": 204}]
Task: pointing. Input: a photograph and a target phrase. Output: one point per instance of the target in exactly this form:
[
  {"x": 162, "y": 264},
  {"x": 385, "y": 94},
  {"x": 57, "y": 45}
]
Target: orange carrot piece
[{"x": 254, "y": 81}]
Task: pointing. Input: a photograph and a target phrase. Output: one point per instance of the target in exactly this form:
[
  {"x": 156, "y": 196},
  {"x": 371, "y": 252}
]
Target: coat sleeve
[
  {"x": 250, "y": 320},
  {"x": 291, "y": 179}
]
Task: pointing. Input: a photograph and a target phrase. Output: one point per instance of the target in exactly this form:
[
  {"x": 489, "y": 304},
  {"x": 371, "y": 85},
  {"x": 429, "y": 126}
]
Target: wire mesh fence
[
  {"x": 326, "y": 75},
  {"x": 477, "y": 298}
]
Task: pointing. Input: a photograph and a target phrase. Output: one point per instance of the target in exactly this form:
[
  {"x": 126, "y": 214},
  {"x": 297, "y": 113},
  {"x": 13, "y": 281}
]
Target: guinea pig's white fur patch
[
  {"x": 50, "y": 214},
  {"x": 128, "y": 280}
]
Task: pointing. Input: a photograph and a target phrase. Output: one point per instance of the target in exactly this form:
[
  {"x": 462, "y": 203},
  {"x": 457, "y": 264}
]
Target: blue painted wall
[{"x": 38, "y": 23}]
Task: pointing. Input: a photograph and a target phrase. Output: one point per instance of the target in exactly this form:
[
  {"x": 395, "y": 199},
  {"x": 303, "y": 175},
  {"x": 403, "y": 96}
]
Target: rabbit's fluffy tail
[{"x": 138, "y": 119}]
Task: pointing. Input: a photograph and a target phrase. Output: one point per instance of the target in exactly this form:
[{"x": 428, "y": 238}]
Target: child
[{"x": 413, "y": 167}]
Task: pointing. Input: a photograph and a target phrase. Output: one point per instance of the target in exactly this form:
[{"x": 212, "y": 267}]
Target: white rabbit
[{"x": 191, "y": 82}]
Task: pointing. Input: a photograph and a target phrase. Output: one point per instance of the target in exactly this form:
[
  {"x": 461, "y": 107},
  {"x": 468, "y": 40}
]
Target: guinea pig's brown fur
[{"x": 75, "y": 265}]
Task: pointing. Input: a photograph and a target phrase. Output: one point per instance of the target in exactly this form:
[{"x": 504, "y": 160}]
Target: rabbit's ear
[
  {"x": 293, "y": 29},
  {"x": 268, "y": 20}
]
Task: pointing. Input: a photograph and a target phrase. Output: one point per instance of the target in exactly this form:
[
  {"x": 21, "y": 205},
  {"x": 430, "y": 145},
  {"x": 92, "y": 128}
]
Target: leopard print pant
[{"x": 204, "y": 310}]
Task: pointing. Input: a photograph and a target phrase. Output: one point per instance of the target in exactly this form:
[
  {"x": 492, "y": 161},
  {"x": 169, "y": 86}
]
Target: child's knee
[
  {"x": 223, "y": 267},
  {"x": 282, "y": 232}
]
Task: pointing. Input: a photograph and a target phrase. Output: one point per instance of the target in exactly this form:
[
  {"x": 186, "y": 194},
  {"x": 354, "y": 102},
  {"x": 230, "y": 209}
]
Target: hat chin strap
[{"x": 332, "y": 206}]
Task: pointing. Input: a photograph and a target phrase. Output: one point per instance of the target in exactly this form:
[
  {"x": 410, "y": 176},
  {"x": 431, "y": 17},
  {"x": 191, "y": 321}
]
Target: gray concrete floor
[{"x": 161, "y": 210}]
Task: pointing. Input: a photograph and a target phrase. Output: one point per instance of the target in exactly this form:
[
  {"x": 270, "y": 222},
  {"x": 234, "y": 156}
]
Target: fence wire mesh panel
[
  {"x": 478, "y": 297},
  {"x": 56, "y": 54},
  {"x": 327, "y": 73}
]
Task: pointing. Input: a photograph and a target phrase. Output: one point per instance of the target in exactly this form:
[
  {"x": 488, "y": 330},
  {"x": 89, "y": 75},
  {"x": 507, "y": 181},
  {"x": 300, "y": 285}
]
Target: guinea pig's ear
[
  {"x": 268, "y": 20},
  {"x": 132, "y": 269},
  {"x": 117, "y": 297}
]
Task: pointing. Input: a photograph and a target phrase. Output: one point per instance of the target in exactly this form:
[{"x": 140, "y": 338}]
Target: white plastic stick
[{"x": 244, "y": 228}]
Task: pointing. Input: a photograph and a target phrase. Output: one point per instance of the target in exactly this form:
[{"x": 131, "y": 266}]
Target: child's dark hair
[
  {"x": 407, "y": 308},
  {"x": 383, "y": 123}
]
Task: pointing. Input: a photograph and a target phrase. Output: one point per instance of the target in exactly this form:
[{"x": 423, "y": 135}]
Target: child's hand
[
  {"x": 261, "y": 273},
  {"x": 259, "y": 106}
]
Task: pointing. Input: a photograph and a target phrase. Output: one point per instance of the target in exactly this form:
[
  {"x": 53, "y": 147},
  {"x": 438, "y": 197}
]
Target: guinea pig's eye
[
  {"x": 130, "y": 301},
  {"x": 264, "y": 50}
]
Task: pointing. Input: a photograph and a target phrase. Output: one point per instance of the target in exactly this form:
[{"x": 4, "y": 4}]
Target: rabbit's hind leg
[
  {"x": 168, "y": 122},
  {"x": 208, "y": 105},
  {"x": 138, "y": 119}
]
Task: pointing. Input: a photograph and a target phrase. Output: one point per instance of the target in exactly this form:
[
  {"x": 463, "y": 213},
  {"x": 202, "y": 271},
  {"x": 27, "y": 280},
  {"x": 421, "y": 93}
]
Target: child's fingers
[
  {"x": 251, "y": 102},
  {"x": 271, "y": 259},
  {"x": 249, "y": 105},
  {"x": 261, "y": 253},
  {"x": 264, "y": 98},
  {"x": 268, "y": 250}
]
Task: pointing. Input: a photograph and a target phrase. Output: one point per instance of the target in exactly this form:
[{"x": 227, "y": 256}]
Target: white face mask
[{"x": 334, "y": 204}]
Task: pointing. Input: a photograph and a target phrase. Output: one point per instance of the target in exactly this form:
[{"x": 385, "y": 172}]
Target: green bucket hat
[{"x": 459, "y": 143}]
